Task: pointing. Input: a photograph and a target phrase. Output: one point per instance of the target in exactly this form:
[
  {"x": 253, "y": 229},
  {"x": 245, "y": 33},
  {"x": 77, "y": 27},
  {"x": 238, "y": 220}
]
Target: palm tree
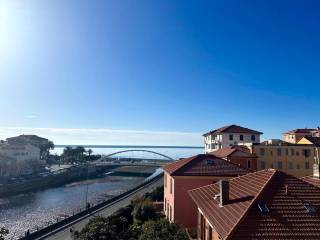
[
  {"x": 89, "y": 152},
  {"x": 80, "y": 150},
  {"x": 45, "y": 149},
  {"x": 68, "y": 154}
]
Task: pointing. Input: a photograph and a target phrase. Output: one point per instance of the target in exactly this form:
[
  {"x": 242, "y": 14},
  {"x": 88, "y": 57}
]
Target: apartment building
[
  {"x": 295, "y": 159},
  {"x": 294, "y": 136},
  {"x": 267, "y": 204},
  {"x": 240, "y": 155},
  {"x": 18, "y": 159},
  {"x": 190, "y": 173},
  {"x": 229, "y": 136}
]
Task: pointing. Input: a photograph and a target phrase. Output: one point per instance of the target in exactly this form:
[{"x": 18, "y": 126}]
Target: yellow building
[{"x": 295, "y": 159}]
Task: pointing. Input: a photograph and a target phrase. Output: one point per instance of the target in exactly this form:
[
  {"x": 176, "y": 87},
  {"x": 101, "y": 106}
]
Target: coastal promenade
[{"x": 63, "y": 233}]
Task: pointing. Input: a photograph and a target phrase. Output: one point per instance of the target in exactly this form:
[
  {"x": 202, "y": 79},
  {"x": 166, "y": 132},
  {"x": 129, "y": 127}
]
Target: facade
[
  {"x": 18, "y": 159},
  {"x": 229, "y": 136},
  {"x": 294, "y": 136},
  {"x": 190, "y": 173},
  {"x": 267, "y": 204},
  {"x": 240, "y": 155},
  {"x": 295, "y": 159}
]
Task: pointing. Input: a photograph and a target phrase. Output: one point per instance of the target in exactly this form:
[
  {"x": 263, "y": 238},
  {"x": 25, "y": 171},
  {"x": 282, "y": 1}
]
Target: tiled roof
[
  {"x": 301, "y": 131},
  {"x": 314, "y": 140},
  {"x": 228, "y": 151},
  {"x": 312, "y": 180},
  {"x": 288, "y": 217},
  {"x": 204, "y": 165},
  {"x": 233, "y": 129}
]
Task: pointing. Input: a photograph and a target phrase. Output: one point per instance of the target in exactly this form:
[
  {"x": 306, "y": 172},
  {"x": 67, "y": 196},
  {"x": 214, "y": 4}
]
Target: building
[
  {"x": 295, "y": 135},
  {"x": 240, "y": 155},
  {"x": 228, "y": 136},
  {"x": 267, "y": 204},
  {"x": 190, "y": 173},
  {"x": 294, "y": 159},
  {"x": 28, "y": 139},
  {"x": 18, "y": 159}
]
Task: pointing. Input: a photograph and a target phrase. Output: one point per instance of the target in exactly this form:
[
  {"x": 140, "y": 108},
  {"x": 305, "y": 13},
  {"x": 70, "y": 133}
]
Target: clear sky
[{"x": 157, "y": 68}]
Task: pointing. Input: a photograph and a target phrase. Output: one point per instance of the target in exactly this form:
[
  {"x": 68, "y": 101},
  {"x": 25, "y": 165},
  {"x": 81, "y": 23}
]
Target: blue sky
[{"x": 177, "y": 67}]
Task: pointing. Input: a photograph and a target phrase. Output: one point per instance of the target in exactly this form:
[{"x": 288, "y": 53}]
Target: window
[
  {"x": 271, "y": 153},
  {"x": 230, "y": 137},
  {"x": 170, "y": 213},
  {"x": 297, "y": 153},
  {"x": 298, "y": 166},
  {"x": 290, "y": 165},
  {"x": 287, "y": 152},
  {"x": 292, "y": 152},
  {"x": 279, "y": 165},
  {"x": 262, "y": 164},
  {"x": 249, "y": 164},
  {"x": 210, "y": 233},
  {"x": 279, "y": 151},
  {"x": 165, "y": 180},
  {"x": 262, "y": 152},
  {"x": 171, "y": 185},
  {"x": 202, "y": 227},
  {"x": 253, "y": 137},
  {"x": 306, "y": 165},
  {"x": 241, "y": 137},
  {"x": 306, "y": 152}
]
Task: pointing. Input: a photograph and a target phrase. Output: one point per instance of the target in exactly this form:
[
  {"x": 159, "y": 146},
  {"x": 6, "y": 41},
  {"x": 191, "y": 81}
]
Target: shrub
[
  {"x": 162, "y": 230},
  {"x": 143, "y": 211}
]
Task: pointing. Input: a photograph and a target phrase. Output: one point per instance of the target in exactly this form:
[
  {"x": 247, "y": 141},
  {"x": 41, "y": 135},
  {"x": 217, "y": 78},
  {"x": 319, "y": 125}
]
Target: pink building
[{"x": 191, "y": 173}]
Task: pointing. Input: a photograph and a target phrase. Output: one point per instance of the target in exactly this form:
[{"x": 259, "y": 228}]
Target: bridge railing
[{"x": 64, "y": 222}]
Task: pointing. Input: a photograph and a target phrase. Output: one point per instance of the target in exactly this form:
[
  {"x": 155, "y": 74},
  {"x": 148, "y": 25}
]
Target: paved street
[{"x": 64, "y": 234}]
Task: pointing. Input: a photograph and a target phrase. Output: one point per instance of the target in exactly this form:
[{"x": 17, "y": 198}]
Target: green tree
[
  {"x": 99, "y": 228},
  {"x": 3, "y": 233},
  {"x": 79, "y": 151},
  {"x": 111, "y": 228},
  {"x": 143, "y": 211},
  {"x": 155, "y": 195},
  {"x": 162, "y": 230},
  {"x": 45, "y": 149},
  {"x": 89, "y": 153}
]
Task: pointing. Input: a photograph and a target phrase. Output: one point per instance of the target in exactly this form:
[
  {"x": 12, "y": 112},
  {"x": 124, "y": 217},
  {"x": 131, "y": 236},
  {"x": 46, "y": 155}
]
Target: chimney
[{"x": 224, "y": 192}]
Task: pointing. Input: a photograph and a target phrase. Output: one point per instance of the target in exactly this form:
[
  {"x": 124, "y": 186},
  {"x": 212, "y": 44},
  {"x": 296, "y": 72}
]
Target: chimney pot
[{"x": 224, "y": 192}]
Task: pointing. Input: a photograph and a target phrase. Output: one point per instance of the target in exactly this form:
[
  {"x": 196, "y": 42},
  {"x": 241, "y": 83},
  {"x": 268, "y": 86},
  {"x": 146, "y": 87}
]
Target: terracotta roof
[
  {"x": 233, "y": 129},
  {"x": 301, "y": 131},
  {"x": 312, "y": 180},
  {"x": 228, "y": 151},
  {"x": 287, "y": 218},
  {"x": 204, "y": 165},
  {"x": 314, "y": 140}
]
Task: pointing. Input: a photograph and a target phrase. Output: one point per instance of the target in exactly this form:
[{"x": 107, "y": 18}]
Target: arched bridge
[{"x": 136, "y": 150}]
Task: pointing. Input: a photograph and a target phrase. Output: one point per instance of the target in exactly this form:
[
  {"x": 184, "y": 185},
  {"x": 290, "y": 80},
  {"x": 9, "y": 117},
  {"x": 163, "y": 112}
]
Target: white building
[
  {"x": 20, "y": 152},
  {"x": 229, "y": 136},
  {"x": 18, "y": 159}
]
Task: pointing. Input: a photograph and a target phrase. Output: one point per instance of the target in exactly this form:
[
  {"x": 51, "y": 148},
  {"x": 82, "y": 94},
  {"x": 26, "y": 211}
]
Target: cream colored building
[
  {"x": 294, "y": 159},
  {"x": 229, "y": 136}
]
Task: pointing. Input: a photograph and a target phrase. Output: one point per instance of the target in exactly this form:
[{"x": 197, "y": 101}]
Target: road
[{"x": 64, "y": 233}]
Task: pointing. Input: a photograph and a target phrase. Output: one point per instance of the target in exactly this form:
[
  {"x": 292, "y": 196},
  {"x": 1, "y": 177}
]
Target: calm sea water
[{"x": 37, "y": 209}]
